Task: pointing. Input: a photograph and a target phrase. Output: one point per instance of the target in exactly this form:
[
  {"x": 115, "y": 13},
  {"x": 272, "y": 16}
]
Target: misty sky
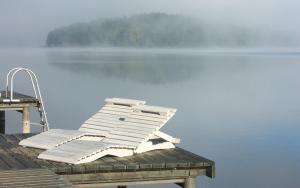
[{"x": 27, "y": 22}]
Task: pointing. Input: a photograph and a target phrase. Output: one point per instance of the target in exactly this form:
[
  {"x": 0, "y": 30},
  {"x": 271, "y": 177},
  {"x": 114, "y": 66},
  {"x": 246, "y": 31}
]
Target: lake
[{"x": 240, "y": 108}]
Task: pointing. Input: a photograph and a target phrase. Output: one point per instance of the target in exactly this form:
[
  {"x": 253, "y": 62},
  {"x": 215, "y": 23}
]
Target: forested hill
[{"x": 150, "y": 30}]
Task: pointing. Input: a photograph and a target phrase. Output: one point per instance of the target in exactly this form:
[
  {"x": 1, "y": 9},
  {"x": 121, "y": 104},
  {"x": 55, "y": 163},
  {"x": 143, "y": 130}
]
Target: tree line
[{"x": 150, "y": 30}]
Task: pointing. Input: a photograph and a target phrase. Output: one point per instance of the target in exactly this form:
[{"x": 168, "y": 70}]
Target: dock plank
[{"x": 32, "y": 178}]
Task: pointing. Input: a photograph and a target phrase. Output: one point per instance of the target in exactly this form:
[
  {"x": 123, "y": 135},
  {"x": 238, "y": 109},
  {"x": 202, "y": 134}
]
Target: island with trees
[{"x": 153, "y": 30}]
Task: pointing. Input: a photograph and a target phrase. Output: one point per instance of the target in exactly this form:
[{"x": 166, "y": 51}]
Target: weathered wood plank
[
  {"x": 128, "y": 176},
  {"x": 130, "y": 183},
  {"x": 31, "y": 178}
]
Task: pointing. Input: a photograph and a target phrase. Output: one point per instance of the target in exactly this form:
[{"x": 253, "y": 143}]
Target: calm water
[{"x": 240, "y": 109}]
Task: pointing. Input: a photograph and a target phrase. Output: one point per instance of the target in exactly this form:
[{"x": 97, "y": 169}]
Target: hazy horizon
[{"x": 27, "y": 23}]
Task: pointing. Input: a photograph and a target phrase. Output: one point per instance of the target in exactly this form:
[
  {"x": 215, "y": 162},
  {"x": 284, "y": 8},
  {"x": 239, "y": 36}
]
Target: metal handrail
[
  {"x": 11, "y": 89},
  {"x": 35, "y": 84}
]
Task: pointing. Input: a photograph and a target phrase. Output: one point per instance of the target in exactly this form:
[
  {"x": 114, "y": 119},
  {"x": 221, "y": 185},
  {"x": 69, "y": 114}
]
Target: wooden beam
[
  {"x": 190, "y": 182},
  {"x": 2, "y": 122},
  {"x": 17, "y": 105},
  {"x": 109, "y": 179},
  {"x": 128, "y": 183},
  {"x": 133, "y": 176},
  {"x": 26, "y": 120}
]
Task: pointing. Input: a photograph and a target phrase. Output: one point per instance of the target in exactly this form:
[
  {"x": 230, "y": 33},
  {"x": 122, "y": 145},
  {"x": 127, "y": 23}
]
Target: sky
[{"x": 27, "y": 22}]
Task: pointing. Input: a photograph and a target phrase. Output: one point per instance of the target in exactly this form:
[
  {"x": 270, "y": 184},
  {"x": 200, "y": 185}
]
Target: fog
[{"x": 27, "y": 23}]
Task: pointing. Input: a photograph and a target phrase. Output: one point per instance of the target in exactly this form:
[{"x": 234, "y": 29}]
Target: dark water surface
[{"x": 240, "y": 109}]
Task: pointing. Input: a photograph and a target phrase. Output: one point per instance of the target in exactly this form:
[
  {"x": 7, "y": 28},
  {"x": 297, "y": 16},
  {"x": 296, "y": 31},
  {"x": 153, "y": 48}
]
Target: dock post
[
  {"x": 2, "y": 122},
  {"x": 122, "y": 186},
  {"x": 190, "y": 182},
  {"x": 26, "y": 120}
]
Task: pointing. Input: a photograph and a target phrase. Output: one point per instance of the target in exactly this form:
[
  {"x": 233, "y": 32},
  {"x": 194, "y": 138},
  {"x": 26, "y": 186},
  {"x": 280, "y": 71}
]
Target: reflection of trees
[{"x": 147, "y": 70}]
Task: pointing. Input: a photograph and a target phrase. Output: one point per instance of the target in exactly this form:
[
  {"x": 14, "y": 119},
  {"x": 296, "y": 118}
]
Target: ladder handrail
[
  {"x": 36, "y": 88},
  {"x": 11, "y": 89}
]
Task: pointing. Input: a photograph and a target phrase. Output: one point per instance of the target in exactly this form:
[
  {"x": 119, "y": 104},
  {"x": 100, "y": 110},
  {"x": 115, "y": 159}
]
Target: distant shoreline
[{"x": 187, "y": 51}]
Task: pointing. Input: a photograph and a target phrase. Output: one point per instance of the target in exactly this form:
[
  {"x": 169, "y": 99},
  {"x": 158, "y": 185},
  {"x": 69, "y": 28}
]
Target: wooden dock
[
  {"x": 20, "y": 167},
  {"x": 23, "y": 106},
  {"x": 155, "y": 167}
]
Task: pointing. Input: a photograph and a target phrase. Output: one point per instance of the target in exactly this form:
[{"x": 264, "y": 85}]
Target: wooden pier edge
[{"x": 183, "y": 178}]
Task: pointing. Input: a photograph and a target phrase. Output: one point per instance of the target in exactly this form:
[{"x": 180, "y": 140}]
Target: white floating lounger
[
  {"x": 121, "y": 128},
  {"x": 133, "y": 135},
  {"x": 99, "y": 124}
]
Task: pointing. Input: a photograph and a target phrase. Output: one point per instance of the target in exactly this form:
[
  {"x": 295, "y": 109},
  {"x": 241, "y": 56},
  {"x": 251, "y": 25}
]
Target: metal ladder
[{"x": 35, "y": 85}]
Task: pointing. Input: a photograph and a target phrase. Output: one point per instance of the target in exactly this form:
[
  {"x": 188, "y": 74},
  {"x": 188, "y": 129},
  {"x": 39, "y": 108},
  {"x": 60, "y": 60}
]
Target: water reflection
[
  {"x": 154, "y": 73},
  {"x": 241, "y": 110},
  {"x": 144, "y": 68}
]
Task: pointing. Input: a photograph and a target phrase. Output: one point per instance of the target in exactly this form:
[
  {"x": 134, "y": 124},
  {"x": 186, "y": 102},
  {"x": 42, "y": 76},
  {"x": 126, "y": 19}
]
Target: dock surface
[
  {"x": 24, "y": 99},
  {"x": 160, "y": 166}
]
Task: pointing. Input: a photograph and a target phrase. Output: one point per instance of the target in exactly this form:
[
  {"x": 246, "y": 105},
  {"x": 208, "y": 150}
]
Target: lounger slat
[
  {"x": 74, "y": 150},
  {"x": 123, "y": 137},
  {"x": 132, "y": 134},
  {"x": 100, "y": 124},
  {"x": 121, "y": 143},
  {"x": 105, "y": 116},
  {"x": 103, "y": 126},
  {"x": 154, "y": 109},
  {"x": 60, "y": 132},
  {"x": 124, "y": 101},
  {"x": 104, "y": 121},
  {"x": 93, "y": 131},
  {"x": 155, "y": 116},
  {"x": 58, "y": 153},
  {"x": 101, "y": 114},
  {"x": 96, "y": 126},
  {"x": 114, "y": 113},
  {"x": 130, "y": 130},
  {"x": 145, "y": 122},
  {"x": 118, "y": 106},
  {"x": 135, "y": 128},
  {"x": 50, "y": 139},
  {"x": 141, "y": 117},
  {"x": 132, "y": 124},
  {"x": 79, "y": 146},
  {"x": 128, "y": 110}
]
